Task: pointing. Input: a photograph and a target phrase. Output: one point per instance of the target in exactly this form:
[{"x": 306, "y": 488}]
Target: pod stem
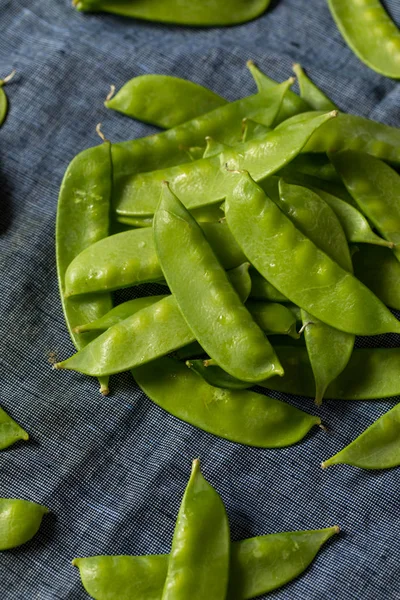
[
  {"x": 7, "y": 78},
  {"x": 110, "y": 93},
  {"x": 100, "y": 133}
]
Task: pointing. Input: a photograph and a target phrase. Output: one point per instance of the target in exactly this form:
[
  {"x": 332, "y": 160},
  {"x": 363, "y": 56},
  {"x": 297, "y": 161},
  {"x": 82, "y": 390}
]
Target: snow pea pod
[
  {"x": 210, "y": 305},
  {"x": 370, "y": 33},
  {"x": 206, "y": 181},
  {"x": 3, "y": 97},
  {"x": 378, "y": 447},
  {"x": 215, "y": 376},
  {"x": 19, "y": 521},
  {"x": 254, "y": 569},
  {"x": 313, "y": 165},
  {"x": 297, "y": 268},
  {"x": 375, "y": 187},
  {"x": 379, "y": 269},
  {"x": 261, "y": 289},
  {"x": 83, "y": 218},
  {"x": 163, "y": 100},
  {"x": 273, "y": 318},
  {"x": 311, "y": 93},
  {"x": 198, "y": 565},
  {"x": 174, "y": 11},
  {"x": 239, "y": 416},
  {"x": 10, "y": 431},
  {"x": 130, "y": 258}
]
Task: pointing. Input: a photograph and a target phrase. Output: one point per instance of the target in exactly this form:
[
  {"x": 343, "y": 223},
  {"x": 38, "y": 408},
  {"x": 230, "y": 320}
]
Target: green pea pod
[
  {"x": 173, "y": 11},
  {"x": 191, "y": 350},
  {"x": 261, "y": 289},
  {"x": 355, "y": 20},
  {"x": 130, "y": 258},
  {"x": 10, "y": 431},
  {"x": 317, "y": 184},
  {"x": 378, "y": 447},
  {"x": 254, "y": 568},
  {"x": 310, "y": 279},
  {"x": 379, "y": 270},
  {"x": 198, "y": 564},
  {"x": 3, "y": 97},
  {"x": 163, "y": 100},
  {"x": 251, "y": 130},
  {"x": 214, "y": 147},
  {"x": 312, "y": 165},
  {"x": 273, "y": 318},
  {"x": 19, "y": 521},
  {"x": 239, "y": 416},
  {"x": 215, "y": 376},
  {"x": 311, "y": 93},
  {"x": 156, "y": 330},
  {"x": 83, "y": 218},
  {"x": 375, "y": 187},
  {"x": 204, "y": 182},
  {"x": 210, "y": 305}
]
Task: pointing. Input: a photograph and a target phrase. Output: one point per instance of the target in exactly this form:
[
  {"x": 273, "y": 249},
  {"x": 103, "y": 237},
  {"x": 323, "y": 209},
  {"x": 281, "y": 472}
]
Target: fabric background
[{"x": 113, "y": 470}]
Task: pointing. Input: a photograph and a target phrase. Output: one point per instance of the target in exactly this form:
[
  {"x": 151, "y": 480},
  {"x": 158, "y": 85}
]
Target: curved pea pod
[
  {"x": 370, "y": 33},
  {"x": 378, "y": 447},
  {"x": 147, "y": 334},
  {"x": 215, "y": 376},
  {"x": 254, "y": 568},
  {"x": 312, "y": 165},
  {"x": 205, "y": 181},
  {"x": 309, "y": 278},
  {"x": 379, "y": 269},
  {"x": 163, "y": 100},
  {"x": 129, "y": 258},
  {"x": 239, "y": 416},
  {"x": 3, "y": 97},
  {"x": 10, "y": 431},
  {"x": 19, "y": 521},
  {"x": 251, "y": 130},
  {"x": 198, "y": 565},
  {"x": 211, "y": 307},
  {"x": 173, "y": 11},
  {"x": 261, "y": 289},
  {"x": 375, "y": 187},
  {"x": 335, "y": 188},
  {"x": 273, "y": 318},
  {"x": 83, "y": 218},
  {"x": 310, "y": 92},
  {"x": 371, "y": 373}
]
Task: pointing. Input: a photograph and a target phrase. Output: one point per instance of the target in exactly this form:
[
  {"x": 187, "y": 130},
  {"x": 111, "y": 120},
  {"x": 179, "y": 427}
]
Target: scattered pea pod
[
  {"x": 3, "y": 97},
  {"x": 239, "y": 416},
  {"x": 10, "y": 431},
  {"x": 19, "y": 521},
  {"x": 379, "y": 269},
  {"x": 163, "y": 100},
  {"x": 370, "y": 33},
  {"x": 254, "y": 569}
]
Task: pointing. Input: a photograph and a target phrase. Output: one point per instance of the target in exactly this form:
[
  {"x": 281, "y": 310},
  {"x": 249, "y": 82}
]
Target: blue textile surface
[{"x": 113, "y": 470}]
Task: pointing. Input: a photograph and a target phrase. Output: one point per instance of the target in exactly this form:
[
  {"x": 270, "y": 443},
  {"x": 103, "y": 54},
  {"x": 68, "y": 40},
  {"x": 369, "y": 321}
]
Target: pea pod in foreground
[
  {"x": 19, "y": 521},
  {"x": 258, "y": 565},
  {"x": 311, "y": 93},
  {"x": 378, "y": 447},
  {"x": 10, "y": 431}
]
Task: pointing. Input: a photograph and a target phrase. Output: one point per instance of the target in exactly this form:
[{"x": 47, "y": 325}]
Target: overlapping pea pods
[{"x": 294, "y": 228}]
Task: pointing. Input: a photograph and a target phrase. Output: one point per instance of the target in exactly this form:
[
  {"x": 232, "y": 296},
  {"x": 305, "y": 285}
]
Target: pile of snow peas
[
  {"x": 203, "y": 562},
  {"x": 270, "y": 226}
]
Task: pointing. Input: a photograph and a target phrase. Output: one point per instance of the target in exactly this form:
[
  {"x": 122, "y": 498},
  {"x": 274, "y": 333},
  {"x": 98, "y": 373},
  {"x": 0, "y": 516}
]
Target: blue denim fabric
[{"x": 113, "y": 470}]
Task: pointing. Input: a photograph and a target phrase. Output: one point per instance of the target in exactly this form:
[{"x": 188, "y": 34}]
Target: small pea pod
[
  {"x": 19, "y": 521},
  {"x": 375, "y": 187},
  {"x": 378, "y": 447},
  {"x": 310, "y": 92},
  {"x": 211, "y": 306},
  {"x": 370, "y": 33},
  {"x": 10, "y": 431},
  {"x": 310, "y": 279},
  {"x": 379, "y": 269},
  {"x": 3, "y": 97},
  {"x": 163, "y": 100},
  {"x": 258, "y": 565}
]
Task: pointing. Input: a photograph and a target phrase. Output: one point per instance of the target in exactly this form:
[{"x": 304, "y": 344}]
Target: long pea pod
[
  {"x": 83, "y": 218},
  {"x": 273, "y": 318},
  {"x": 215, "y": 376},
  {"x": 379, "y": 269},
  {"x": 239, "y": 416},
  {"x": 19, "y": 521},
  {"x": 211, "y": 307},
  {"x": 378, "y": 447},
  {"x": 10, "y": 431},
  {"x": 3, "y": 97},
  {"x": 163, "y": 100},
  {"x": 370, "y": 33},
  {"x": 175, "y": 12},
  {"x": 297, "y": 268},
  {"x": 130, "y": 258},
  {"x": 258, "y": 565},
  {"x": 198, "y": 565},
  {"x": 311, "y": 93},
  {"x": 205, "y": 181}
]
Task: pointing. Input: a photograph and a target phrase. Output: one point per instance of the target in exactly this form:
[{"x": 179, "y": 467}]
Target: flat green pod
[
  {"x": 261, "y": 289},
  {"x": 19, "y": 521},
  {"x": 3, "y": 97},
  {"x": 370, "y": 33},
  {"x": 310, "y": 92},
  {"x": 10, "y": 431},
  {"x": 378, "y": 447},
  {"x": 163, "y": 100},
  {"x": 254, "y": 570},
  {"x": 379, "y": 269}
]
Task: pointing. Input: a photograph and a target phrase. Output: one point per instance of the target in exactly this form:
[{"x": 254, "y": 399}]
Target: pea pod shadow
[{"x": 6, "y": 206}]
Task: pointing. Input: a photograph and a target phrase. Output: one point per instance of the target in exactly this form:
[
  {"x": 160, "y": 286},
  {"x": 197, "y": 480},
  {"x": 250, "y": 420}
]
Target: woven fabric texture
[{"x": 113, "y": 470}]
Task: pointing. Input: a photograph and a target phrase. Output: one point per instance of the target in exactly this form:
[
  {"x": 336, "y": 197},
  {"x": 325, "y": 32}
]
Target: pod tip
[
  {"x": 336, "y": 528},
  {"x": 324, "y": 465}
]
